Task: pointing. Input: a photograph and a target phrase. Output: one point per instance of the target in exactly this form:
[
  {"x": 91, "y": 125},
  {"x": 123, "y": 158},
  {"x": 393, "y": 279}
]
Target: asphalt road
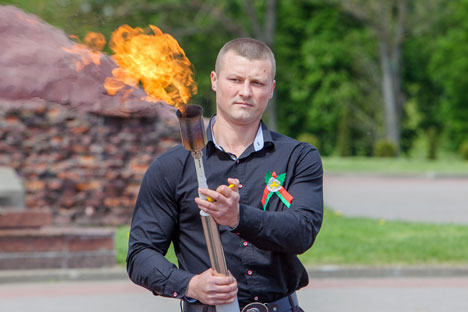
[
  {"x": 408, "y": 198},
  {"x": 402, "y": 198},
  {"x": 324, "y": 295}
]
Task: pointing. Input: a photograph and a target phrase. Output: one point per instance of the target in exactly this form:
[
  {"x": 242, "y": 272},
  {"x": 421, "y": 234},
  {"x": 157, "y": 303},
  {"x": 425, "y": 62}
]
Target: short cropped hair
[{"x": 250, "y": 49}]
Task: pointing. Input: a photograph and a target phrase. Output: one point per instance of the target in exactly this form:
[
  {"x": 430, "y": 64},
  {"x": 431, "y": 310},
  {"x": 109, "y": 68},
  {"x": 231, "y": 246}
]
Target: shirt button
[
  {"x": 249, "y": 272},
  {"x": 256, "y": 298},
  {"x": 245, "y": 243},
  {"x": 237, "y": 161},
  {"x": 174, "y": 294}
]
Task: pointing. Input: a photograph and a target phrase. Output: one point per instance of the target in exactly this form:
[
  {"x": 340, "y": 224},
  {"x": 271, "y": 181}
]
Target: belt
[{"x": 285, "y": 304}]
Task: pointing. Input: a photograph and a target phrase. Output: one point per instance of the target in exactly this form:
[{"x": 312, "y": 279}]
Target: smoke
[{"x": 35, "y": 65}]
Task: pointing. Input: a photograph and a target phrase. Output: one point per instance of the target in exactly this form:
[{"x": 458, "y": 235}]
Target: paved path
[
  {"x": 404, "y": 198},
  {"x": 436, "y": 200},
  {"x": 324, "y": 295}
]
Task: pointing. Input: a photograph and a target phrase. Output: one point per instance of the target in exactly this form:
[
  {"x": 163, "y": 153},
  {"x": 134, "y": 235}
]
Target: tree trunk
[
  {"x": 265, "y": 34},
  {"x": 389, "y": 90},
  {"x": 269, "y": 39}
]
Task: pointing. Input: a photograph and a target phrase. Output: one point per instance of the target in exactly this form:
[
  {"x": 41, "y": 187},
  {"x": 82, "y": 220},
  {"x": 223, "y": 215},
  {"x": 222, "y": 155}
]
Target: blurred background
[
  {"x": 356, "y": 77},
  {"x": 379, "y": 87}
]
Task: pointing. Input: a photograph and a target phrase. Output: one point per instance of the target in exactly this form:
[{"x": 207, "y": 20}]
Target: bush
[
  {"x": 385, "y": 148},
  {"x": 309, "y": 138},
  {"x": 464, "y": 150}
]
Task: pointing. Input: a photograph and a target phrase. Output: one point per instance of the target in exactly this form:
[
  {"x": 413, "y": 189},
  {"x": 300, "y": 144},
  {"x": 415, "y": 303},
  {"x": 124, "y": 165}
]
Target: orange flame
[
  {"x": 153, "y": 59},
  {"x": 84, "y": 54},
  {"x": 96, "y": 41}
]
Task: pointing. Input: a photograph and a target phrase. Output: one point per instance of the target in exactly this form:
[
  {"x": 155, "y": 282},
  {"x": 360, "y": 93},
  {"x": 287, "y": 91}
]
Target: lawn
[
  {"x": 445, "y": 166},
  {"x": 362, "y": 241}
]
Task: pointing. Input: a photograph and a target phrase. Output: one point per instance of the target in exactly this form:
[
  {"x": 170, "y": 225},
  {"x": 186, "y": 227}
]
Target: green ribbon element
[
  {"x": 280, "y": 196},
  {"x": 267, "y": 199},
  {"x": 283, "y": 199}
]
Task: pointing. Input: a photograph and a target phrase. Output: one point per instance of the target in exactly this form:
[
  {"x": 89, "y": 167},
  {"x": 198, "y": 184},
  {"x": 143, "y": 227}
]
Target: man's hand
[
  {"x": 212, "y": 289},
  {"x": 225, "y": 205}
]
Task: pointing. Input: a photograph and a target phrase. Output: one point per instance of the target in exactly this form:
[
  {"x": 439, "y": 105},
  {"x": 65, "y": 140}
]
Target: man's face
[{"x": 243, "y": 88}]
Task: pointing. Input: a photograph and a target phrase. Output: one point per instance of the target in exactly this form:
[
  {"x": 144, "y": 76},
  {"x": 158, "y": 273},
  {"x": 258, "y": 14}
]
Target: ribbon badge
[{"x": 274, "y": 185}]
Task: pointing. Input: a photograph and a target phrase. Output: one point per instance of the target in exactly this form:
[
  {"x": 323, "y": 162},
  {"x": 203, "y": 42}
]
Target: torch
[{"x": 192, "y": 130}]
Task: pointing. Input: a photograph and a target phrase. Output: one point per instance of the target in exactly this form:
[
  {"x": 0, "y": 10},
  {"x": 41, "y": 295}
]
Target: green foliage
[
  {"x": 423, "y": 109},
  {"x": 448, "y": 68},
  {"x": 464, "y": 150},
  {"x": 320, "y": 53},
  {"x": 343, "y": 144},
  {"x": 385, "y": 148},
  {"x": 328, "y": 77},
  {"x": 432, "y": 134},
  {"x": 309, "y": 138}
]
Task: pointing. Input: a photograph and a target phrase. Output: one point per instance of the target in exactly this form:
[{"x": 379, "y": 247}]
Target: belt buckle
[{"x": 255, "y": 307}]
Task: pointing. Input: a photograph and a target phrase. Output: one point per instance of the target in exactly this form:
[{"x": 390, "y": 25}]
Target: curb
[
  {"x": 56, "y": 275},
  {"x": 325, "y": 271},
  {"x": 332, "y": 271},
  {"x": 426, "y": 175}
]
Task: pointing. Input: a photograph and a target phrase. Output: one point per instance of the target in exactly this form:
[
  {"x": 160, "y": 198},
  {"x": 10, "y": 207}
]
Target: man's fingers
[
  {"x": 224, "y": 280},
  {"x": 211, "y": 195},
  {"x": 234, "y": 184}
]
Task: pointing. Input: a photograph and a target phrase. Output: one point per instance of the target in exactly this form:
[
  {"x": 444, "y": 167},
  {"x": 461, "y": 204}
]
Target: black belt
[{"x": 288, "y": 303}]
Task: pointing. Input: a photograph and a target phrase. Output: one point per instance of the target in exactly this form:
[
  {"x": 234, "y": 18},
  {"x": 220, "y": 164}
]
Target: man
[{"x": 272, "y": 214}]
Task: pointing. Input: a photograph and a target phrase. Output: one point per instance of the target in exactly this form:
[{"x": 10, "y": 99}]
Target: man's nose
[{"x": 246, "y": 89}]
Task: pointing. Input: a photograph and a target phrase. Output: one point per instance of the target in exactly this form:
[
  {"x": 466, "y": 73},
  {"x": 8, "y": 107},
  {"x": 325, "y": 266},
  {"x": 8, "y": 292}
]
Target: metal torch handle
[
  {"x": 210, "y": 227},
  {"x": 211, "y": 231}
]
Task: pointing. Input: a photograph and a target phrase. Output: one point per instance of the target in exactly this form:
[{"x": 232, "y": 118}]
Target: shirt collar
[{"x": 263, "y": 135}]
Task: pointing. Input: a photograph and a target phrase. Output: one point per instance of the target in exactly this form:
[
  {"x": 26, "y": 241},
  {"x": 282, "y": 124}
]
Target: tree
[
  {"x": 389, "y": 22},
  {"x": 216, "y": 21},
  {"x": 392, "y": 21},
  {"x": 326, "y": 81},
  {"x": 448, "y": 68}
]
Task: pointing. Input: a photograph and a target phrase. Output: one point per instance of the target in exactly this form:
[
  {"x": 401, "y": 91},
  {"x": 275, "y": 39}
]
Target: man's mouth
[{"x": 243, "y": 103}]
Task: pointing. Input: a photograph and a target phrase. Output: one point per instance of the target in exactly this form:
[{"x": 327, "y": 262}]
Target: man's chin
[{"x": 244, "y": 119}]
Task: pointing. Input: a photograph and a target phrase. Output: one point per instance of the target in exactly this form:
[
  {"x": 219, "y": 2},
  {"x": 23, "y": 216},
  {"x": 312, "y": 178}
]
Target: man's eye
[
  {"x": 257, "y": 83},
  {"x": 235, "y": 79}
]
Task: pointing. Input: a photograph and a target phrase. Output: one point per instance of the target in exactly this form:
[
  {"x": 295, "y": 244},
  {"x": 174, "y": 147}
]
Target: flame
[
  {"x": 148, "y": 58},
  {"x": 96, "y": 41},
  {"x": 154, "y": 60},
  {"x": 85, "y": 56}
]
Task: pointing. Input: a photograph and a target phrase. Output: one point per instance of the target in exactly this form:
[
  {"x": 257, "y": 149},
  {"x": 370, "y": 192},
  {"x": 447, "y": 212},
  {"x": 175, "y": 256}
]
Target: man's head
[
  {"x": 243, "y": 81},
  {"x": 249, "y": 48}
]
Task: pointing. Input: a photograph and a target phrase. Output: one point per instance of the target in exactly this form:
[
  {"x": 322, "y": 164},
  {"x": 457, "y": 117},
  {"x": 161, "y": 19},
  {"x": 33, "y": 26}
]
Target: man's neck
[{"x": 234, "y": 138}]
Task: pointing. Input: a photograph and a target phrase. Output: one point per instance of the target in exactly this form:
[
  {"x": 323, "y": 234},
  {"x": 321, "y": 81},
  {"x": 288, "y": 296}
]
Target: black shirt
[{"x": 261, "y": 252}]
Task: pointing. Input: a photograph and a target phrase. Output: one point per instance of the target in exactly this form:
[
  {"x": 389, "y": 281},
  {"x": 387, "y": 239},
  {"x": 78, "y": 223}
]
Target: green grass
[
  {"x": 361, "y": 241},
  {"x": 121, "y": 246},
  {"x": 451, "y": 166},
  {"x": 121, "y": 243}
]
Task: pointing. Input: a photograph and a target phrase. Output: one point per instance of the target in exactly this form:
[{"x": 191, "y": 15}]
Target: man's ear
[
  {"x": 213, "y": 81},
  {"x": 272, "y": 88}
]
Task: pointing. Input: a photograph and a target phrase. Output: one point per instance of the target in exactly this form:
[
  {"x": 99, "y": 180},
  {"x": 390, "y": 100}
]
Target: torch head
[{"x": 192, "y": 128}]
